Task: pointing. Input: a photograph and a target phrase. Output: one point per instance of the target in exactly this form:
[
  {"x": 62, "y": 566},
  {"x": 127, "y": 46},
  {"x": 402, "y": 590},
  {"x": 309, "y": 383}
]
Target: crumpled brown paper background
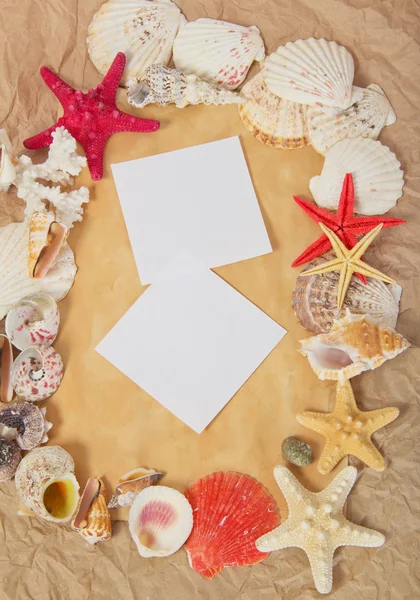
[{"x": 111, "y": 426}]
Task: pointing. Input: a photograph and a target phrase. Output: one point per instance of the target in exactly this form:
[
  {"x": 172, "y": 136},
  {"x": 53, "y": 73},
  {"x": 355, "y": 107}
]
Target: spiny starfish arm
[
  {"x": 59, "y": 88},
  {"x": 344, "y": 398},
  {"x": 109, "y": 85},
  {"x": 346, "y": 203},
  {"x": 360, "y": 225},
  {"x": 380, "y": 418},
  {"x": 343, "y": 283},
  {"x": 94, "y": 150},
  {"x": 335, "y": 241},
  {"x": 312, "y": 420},
  {"x": 41, "y": 140},
  {"x": 289, "y": 485},
  {"x": 125, "y": 122},
  {"x": 355, "y": 535},
  {"x": 370, "y": 455},
  {"x": 327, "y": 267},
  {"x": 366, "y": 269},
  {"x": 330, "y": 457},
  {"x": 322, "y": 568},
  {"x": 361, "y": 246},
  {"x": 321, "y": 245},
  {"x": 279, "y": 538},
  {"x": 316, "y": 213},
  {"x": 340, "y": 487}
]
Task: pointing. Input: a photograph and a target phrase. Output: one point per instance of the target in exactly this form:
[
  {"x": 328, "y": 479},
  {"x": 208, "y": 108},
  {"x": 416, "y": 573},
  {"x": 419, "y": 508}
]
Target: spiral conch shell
[
  {"x": 354, "y": 344},
  {"x": 92, "y": 519},
  {"x": 37, "y": 373},
  {"x": 46, "y": 238},
  {"x": 132, "y": 483},
  {"x": 25, "y": 423},
  {"x": 33, "y": 320}
]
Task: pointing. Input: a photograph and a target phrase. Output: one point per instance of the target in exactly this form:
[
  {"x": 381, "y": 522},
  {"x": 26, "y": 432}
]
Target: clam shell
[
  {"x": 46, "y": 484},
  {"x": 160, "y": 521},
  {"x": 14, "y": 278},
  {"x": 6, "y": 359},
  {"x": 131, "y": 483},
  {"x": 33, "y": 320},
  {"x": 162, "y": 85},
  {"x": 314, "y": 299},
  {"x": 92, "y": 519},
  {"x": 365, "y": 118},
  {"x": 10, "y": 457},
  {"x": 26, "y": 423},
  {"x": 272, "y": 120},
  {"x": 311, "y": 72},
  {"x": 143, "y": 29},
  {"x": 231, "y": 511},
  {"x": 37, "y": 373},
  {"x": 354, "y": 344},
  {"x": 377, "y": 176},
  {"x": 217, "y": 51},
  {"x": 46, "y": 238}
]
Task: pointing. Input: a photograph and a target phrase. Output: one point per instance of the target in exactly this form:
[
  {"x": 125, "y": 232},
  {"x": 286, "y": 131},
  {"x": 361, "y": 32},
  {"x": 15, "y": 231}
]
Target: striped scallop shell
[
  {"x": 143, "y": 29},
  {"x": 311, "y": 72},
  {"x": 217, "y": 51},
  {"x": 377, "y": 176},
  {"x": 276, "y": 122}
]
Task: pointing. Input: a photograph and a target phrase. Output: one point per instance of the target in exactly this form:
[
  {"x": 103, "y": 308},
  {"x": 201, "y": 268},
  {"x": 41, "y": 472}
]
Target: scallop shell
[
  {"x": 354, "y": 344},
  {"x": 24, "y": 422},
  {"x": 365, "y": 118},
  {"x": 14, "y": 278},
  {"x": 217, "y": 51},
  {"x": 46, "y": 484},
  {"x": 160, "y": 521},
  {"x": 311, "y": 72},
  {"x": 314, "y": 299},
  {"x": 6, "y": 359},
  {"x": 46, "y": 238},
  {"x": 10, "y": 457},
  {"x": 162, "y": 85},
  {"x": 92, "y": 519},
  {"x": 7, "y": 169},
  {"x": 231, "y": 511},
  {"x": 131, "y": 483},
  {"x": 37, "y": 373},
  {"x": 272, "y": 120},
  {"x": 377, "y": 176},
  {"x": 143, "y": 29},
  {"x": 33, "y": 320}
]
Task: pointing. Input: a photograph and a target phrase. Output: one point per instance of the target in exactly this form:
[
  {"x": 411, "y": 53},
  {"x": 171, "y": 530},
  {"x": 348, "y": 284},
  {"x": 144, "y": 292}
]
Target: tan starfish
[
  {"x": 316, "y": 524},
  {"x": 348, "y": 261},
  {"x": 348, "y": 430}
]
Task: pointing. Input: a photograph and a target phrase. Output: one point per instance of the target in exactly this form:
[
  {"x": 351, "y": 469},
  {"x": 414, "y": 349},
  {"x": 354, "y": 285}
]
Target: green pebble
[{"x": 297, "y": 452}]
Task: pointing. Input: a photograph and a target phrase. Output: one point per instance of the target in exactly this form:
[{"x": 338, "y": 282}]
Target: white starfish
[{"x": 316, "y": 524}]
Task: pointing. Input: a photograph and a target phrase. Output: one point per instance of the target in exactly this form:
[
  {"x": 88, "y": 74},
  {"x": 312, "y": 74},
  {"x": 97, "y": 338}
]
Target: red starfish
[
  {"x": 91, "y": 118},
  {"x": 343, "y": 223}
]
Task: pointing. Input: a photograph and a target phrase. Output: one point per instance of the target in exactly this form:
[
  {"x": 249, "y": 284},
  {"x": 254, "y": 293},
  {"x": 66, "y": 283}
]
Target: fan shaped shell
[
  {"x": 272, "y": 120},
  {"x": 231, "y": 511},
  {"x": 28, "y": 423},
  {"x": 377, "y": 176},
  {"x": 143, "y": 29},
  {"x": 33, "y": 320},
  {"x": 365, "y": 118},
  {"x": 311, "y": 72},
  {"x": 217, "y": 51}
]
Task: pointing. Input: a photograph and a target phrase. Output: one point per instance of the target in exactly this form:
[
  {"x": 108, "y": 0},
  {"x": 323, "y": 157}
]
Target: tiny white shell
[
  {"x": 37, "y": 373},
  {"x": 33, "y": 320},
  {"x": 7, "y": 169},
  {"x": 217, "y": 51},
  {"x": 377, "y": 175}
]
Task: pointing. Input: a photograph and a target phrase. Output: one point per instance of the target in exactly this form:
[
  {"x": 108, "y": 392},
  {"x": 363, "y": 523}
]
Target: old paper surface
[{"x": 110, "y": 425}]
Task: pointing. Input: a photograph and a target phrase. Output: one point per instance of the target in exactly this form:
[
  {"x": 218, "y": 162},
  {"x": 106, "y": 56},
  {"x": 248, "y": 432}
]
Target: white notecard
[
  {"x": 197, "y": 201},
  {"x": 191, "y": 343}
]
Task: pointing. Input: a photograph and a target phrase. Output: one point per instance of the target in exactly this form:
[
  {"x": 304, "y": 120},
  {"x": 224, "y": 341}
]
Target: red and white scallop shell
[
  {"x": 37, "y": 373},
  {"x": 33, "y": 320}
]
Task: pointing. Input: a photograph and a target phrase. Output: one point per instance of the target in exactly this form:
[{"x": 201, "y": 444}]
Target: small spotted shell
[
  {"x": 33, "y": 320},
  {"x": 37, "y": 373}
]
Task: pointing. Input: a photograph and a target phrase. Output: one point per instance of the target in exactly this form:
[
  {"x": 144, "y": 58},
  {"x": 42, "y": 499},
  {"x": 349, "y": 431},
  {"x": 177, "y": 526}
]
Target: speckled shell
[
  {"x": 33, "y": 320},
  {"x": 365, "y": 118},
  {"x": 217, "y": 51},
  {"x": 37, "y": 373},
  {"x": 272, "y": 120},
  {"x": 10, "y": 457},
  {"x": 27, "y": 422},
  {"x": 36, "y": 471},
  {"x": 131, "y": 483},
  {"x": 377, "y": 176},
  {"x": 314, "y": 299},
  {"x": 40, "y": 239},
  {"x": 162, "y": 85},
  {"x": 92, "y": 519},
  {"x": 143, "y": 29},
  {"x": 14, "y": 278},
  {"x": 312, "y": 72},
  {"x": 361, "y": 343}
]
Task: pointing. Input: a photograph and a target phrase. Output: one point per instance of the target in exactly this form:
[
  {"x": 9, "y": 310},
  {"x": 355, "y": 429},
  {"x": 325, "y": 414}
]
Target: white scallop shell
[
  {"x": 217, "y": 51},
  {"x": 365, "y": 118},
  {"x": 143, "y": 29},
  {"x": 33, "y": 320},
  {"x": 37, "y": 373},
  {"x": 160, "y": 521},
  {"x": 377, "y": 175},
  {"x": 311, "y": 72},
  {"x": 14, "y": 277},
  {"x": 272, "y": 120}
]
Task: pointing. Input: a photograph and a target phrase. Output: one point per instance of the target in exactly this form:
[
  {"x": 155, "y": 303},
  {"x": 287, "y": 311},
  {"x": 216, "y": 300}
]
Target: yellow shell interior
[{"x": 61, "y": 497}]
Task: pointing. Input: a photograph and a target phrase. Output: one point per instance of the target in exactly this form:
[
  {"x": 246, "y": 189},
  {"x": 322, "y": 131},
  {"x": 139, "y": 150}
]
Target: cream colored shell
[{"x": 95, "y": 524}]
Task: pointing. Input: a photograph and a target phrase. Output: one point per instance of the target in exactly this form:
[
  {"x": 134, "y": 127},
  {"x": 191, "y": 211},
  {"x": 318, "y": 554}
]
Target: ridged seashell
[
  {"x": 231, "y": 511},
  {"x": 25, "y": 423},
  {"x": 365, "y": 118},
  {"x": 33, "y": 320},
  {"x": 354, "y": 344},
  {"x": 131, "y": 483},
  {"x": 314, "y": 299},
  {"x": 143, "y": 29},
  {"x": 162, "y": 85},
  {"x": 46, "y": 484},
  {"x": 6, "y": 360},
  {"x": 14, "y": 278},
  {"x": 377, "y": 176},
  {"x": 46, "y": 238},
  {"x": 10, "y": 457},
  {"x": 160, "y": 521},
  {"x": 7, "y": 168},
  {"x": 217, "y": 51},
  {"x": 37, "y": 373},
  {"x": 272, "y": 120},
  {"x": 311, "y": 72},
  {"x": 92, "y": 519}
]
